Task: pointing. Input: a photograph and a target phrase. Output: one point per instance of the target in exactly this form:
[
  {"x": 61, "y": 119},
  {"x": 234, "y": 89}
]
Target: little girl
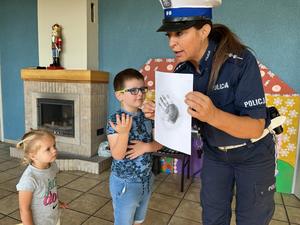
[{"x": 38, "y": 198}]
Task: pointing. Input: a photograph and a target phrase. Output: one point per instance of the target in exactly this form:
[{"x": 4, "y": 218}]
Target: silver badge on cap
[{"x": 166, "y": 3}]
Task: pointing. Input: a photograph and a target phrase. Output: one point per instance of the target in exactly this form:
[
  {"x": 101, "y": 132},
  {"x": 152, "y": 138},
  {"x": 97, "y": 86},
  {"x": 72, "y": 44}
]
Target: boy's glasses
[{"x": 135, "y": 91}]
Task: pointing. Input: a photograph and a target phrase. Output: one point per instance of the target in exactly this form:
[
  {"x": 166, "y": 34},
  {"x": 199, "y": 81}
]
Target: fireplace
[{"x": 56, "y": 115}]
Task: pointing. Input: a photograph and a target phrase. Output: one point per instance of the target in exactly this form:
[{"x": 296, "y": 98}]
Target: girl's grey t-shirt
[{"x": 42, "y": 183}]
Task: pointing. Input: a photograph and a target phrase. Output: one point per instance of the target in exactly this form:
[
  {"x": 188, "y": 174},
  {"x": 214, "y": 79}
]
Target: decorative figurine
[{"x": 56, "y": 44}]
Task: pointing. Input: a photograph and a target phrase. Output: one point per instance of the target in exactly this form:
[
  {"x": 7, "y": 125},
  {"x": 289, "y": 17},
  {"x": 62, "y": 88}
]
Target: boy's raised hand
[{"x": 123, "y": 123}]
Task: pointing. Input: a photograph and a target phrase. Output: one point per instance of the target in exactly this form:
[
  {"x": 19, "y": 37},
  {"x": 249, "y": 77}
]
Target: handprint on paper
[{"x": 169, "y": 108}]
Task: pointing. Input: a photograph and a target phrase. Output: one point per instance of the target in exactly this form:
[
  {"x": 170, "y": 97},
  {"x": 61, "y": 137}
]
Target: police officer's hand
[
  {"x": 123, "y": 124},
  {"x": 200, "y": 106},
  {"x": 148, "y": 108}
]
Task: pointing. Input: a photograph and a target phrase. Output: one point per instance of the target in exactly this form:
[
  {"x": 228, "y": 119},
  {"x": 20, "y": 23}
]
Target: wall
[
  {"x": 128, "y": 37},
  {"x": 18, "y": 22},
  {"x": 80, "y": 36}
]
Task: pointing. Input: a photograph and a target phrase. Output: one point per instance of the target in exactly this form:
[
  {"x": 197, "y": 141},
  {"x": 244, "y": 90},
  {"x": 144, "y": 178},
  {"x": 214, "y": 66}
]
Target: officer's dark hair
[
  {"x": 124, "y": 75},
  {"x": 227, "y": 41}
]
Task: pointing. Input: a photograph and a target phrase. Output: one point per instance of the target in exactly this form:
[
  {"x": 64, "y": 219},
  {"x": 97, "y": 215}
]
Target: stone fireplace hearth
[{"x": 87, "y": 91}]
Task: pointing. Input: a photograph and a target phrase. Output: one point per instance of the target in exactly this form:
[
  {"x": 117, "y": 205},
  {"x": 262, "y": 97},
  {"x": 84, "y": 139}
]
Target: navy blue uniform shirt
[{"x": 238, "y": 90}]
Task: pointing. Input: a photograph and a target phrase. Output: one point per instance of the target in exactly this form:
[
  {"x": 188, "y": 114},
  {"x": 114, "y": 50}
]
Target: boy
[{"x": 130, "y": 137}]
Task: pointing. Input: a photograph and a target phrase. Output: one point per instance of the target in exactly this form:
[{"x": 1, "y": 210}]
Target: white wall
[{"x": 73, "y": 16}]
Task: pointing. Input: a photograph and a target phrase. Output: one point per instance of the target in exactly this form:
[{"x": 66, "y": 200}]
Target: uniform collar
[{"x": 206, "y": 59}]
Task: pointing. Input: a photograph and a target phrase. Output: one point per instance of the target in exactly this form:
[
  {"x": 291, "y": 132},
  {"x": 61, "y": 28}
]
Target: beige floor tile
[
  {"x": 5, "y": 156},
  {"x": 277, "y": 222},
  {"x": 161, "y": 176},
  {"x": 278, "y": 198},
  {"x": 189, "y": 210},
  {"x": 10, "y": 185},
  {"x": 64, "y": 178},
  {"x": 175, "y": 178},
  {"x": 9, "y": 221},
  {"x": 193, "y": 194},
  {"x": 6, "y": 176},
  {"x": 9, "y": 204},
  {"x": 88, "y": 203},
  {"x": 280, "y": 213},
  {"x": 8, "y": 165},
  {"x": 291, "y": 200},
  {"x": 18, "y": 171},
  {"x": 76, "y": 172},
  {"x": 196, "y": 182},
  {"x": 156, "y": 218},
  {"x": 156, "y": 184},
  {"x": 181, "y": 221},
  {"x": 82, "y": 184},
  {"x": 4, "y": 193},
  {"x": 106, "y": 212},
  {"x": 293, "y": 214},
  {"x": 171, "y": 189},
  {"x": 70, "y": 217},
  {"x": 100, "y": 177},
  {"x": 16, "y": 215},
  {"x": 101, "y": 189},
  {"x": 97, "y": 221},
  {"x": 163, "y": 203},
  {"x": 2, "y": 160},
  {"x": 67, "y": 195}
]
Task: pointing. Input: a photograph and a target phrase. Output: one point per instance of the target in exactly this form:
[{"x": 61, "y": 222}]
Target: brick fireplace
[{"x": 79, "y": 97}]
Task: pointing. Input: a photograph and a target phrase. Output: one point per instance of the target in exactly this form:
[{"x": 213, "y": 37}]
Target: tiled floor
[{"x": 90, "y": 203}]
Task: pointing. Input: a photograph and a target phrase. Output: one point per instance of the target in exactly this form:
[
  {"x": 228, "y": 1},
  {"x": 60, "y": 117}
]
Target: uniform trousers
[{"x": 249, "y": 170}]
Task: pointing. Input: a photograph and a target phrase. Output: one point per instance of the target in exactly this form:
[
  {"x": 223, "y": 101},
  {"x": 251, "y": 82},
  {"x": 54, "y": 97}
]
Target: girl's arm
[{"x": 25, "y": 198}]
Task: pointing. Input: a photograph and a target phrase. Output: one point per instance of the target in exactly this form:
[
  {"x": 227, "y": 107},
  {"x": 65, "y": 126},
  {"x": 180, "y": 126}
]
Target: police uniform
[{"x": 230, "y": 161}]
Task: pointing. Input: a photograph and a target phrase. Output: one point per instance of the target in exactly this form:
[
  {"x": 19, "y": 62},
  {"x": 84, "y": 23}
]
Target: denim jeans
[{"x": 130, "y": 199}]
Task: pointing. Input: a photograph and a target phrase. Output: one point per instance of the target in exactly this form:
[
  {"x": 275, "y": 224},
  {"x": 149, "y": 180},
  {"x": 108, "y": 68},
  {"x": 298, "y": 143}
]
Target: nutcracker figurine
[{"x": 56, "y": 44}]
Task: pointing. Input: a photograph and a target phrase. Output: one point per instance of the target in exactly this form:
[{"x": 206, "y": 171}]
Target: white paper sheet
[{"x": 172, "y": 122}]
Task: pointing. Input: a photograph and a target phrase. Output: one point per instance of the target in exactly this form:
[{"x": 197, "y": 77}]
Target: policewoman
[{"x": 228, "y": 106}]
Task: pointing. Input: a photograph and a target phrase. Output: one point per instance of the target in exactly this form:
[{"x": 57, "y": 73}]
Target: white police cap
[{"x": 183, "y": 14}]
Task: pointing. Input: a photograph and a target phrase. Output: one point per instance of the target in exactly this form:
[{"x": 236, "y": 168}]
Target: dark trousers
[{"x": 251, "y": 170}]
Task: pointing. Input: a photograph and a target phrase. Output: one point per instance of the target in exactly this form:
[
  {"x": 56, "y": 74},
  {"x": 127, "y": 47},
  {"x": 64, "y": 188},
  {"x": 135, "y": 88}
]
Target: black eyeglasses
[{"x": 135, "y": 91}]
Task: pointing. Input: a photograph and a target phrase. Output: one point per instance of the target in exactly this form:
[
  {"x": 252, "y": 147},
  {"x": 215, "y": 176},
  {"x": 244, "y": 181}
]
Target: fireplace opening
[{"x": 56, "y": 115}]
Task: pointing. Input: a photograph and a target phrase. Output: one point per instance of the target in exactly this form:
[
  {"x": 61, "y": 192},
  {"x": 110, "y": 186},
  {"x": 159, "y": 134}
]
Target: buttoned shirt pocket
[{"x": 223, "y": 99}]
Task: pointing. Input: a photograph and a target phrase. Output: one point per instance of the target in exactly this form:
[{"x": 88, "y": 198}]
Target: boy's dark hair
[{"x": 125, "y": 75}]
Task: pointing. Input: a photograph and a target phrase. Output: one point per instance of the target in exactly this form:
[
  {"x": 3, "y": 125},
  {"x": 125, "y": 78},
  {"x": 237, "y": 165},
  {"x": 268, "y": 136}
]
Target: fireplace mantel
[{"x": 76, "y": 76}]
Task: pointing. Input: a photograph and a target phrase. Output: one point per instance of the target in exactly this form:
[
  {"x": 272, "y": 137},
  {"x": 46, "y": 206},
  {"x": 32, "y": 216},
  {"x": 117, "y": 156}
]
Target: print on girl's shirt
[{"x": 50, "y": 197}]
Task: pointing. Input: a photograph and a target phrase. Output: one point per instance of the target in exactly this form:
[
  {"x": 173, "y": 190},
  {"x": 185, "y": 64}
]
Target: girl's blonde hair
[{"x": 30, "y": 143}]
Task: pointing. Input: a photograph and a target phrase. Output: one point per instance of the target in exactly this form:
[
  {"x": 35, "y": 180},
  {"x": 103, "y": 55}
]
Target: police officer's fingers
[
  {"x": 196, "y": 94},
  {"x": 197, "y": 97},
  {"x": 195, "y": 105},
  {"x": 195, "y": 114}
]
